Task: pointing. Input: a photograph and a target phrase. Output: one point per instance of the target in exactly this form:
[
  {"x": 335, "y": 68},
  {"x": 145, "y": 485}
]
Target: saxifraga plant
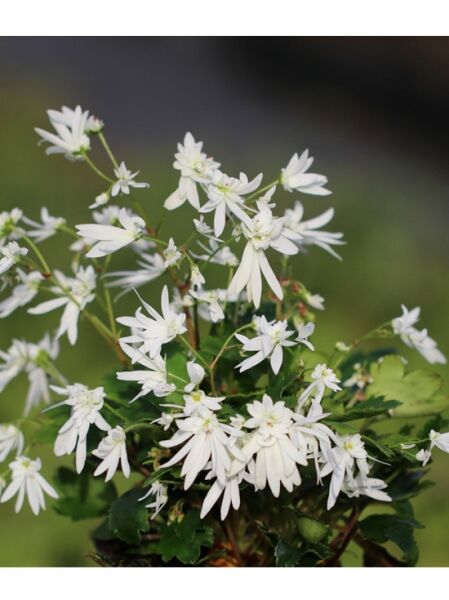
[{"x": 246, "y": 446}]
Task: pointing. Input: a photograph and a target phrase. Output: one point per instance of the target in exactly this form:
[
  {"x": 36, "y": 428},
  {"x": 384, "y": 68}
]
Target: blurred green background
[{"x": 373, "y": 113}]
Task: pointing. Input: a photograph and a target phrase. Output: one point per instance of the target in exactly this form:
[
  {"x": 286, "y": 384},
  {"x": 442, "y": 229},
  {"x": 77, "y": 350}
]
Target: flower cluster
[{"x": 219, "y": 396}]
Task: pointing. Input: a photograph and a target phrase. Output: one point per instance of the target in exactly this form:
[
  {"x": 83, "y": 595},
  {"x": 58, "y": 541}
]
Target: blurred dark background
[{"x": 373, "y": 112}]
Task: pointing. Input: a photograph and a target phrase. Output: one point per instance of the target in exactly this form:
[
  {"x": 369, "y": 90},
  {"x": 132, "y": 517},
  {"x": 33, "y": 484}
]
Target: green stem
[
  {"x": 108, "y": 149},
  {"x": 96, "y": 170},
  {"x": 138, "y": 426},
  {"x": 156, "y": 240},
  {"x": 69, "y": 230},
  {"x": 262, "y": 190},
  {"x": 228, "y": 340},
  {"x": 114, "y": 412},
  {"x": 194, "y": 352},
  {"x": 375, "y": 333},
  {"x": 206, "y": 262},
  {"x": 38, "y": 253}
]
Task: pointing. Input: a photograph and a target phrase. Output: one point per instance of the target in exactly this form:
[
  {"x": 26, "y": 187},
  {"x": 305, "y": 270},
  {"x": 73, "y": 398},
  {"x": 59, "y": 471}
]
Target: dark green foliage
[
  {"x": 128, "y": 517},
  {"x": 398, "y": 529},
  {"x": 184, "y": 540},
  {"x": 82, "y": 496}
]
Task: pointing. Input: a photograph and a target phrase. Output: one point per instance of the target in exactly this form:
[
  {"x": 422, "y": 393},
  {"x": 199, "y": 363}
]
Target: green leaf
[
  {"x": 128, "y": 517},
  {"x": 286, "y": 555},
  {"x": 145, "y": 408},
  {"x": 395, "y": 528},
  {"x": 82, "y": 496},
  {"x": 122, "y": 391},
  {"x": 212, "y": 344},
  {"x": 416, "y": 391},
  {"x": 367, "y": 408},
  {"x": 184, "y": 540},
  {"x": 177, "y": 369},
  {"x": 314, "y": 553},
  {"x": 341, "y": 427}
]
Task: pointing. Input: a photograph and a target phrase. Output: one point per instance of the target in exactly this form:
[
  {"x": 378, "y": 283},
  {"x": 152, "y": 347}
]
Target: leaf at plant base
[
  {"x": 416, "y": 391},
  {"x": 395, "y": 528},
  {"x": 82, "y": 496},
  {"x": 314, "y": 553},
  {"x": 128, "y": 517},
  {"x": 286, "y": 555},
  {"x": 184, "y": 540}
]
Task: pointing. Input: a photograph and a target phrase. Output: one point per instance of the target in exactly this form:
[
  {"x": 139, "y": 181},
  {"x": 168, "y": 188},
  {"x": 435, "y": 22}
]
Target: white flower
[
  {"x": 295, "y": 178},
  {"x": 426, "y": 346},
  {"x": 112, "y": 451},
  {"x": 2, "y": 485},
  {"x": 304, "y": 332},
  {"x": 11, "y": 439},
  {"x": 196, "y": 277},
  {"x": 309, "y": 435},
  {"x": 211, "y": 301},
  {"x": 110, "y": 238},
  {"x": 49, "y": 226},
  {"x": 362, "y": 485},
  {"x": 26, "y": 480},
  {"x": 85, "y": 411},
  {"x": 153, "y": 379},
  {"x": 424, "y": 456},
  {"x": 31, "y": 358},
  {"x": 153, "y": 333},
  {"x": 10, "y": 254},
  {"x": 270, "y": 444},
  {"x": 165, "y": 420},
  {"x": 262, "y": 232},
  {"x": 195, "y": 167},
  {"x": 68, "y": 116},
  {"x": 265, "y": 200},
  {"x": 404, "y": 324},
  {"x": 70, "y": 138},
  {"x": 230, "y": 491},
  {"x": 360, "y": 378},
  {"x": 9, "y": 225},
  {"x": 225, "y": 194},
  {"x": 203, "y": 228},
  {"x": 217, "y": 255},
  {"x": 440, "y": 440},
  {"x": 413, "y": 338},
  {"x": 195, "y": 399},
  {"x": 315, "y": 301},
  {"x": 309, "y": 230},
  {"x": 171, "y": 254},
  {"x": 268, "y": 343},
  {"x": 75, "y": 293},
  {"x": 100, "y": 200},
  {"x": 152, "y": 266},
  {"x": 125, "y": 180},
  {"x": 23, "y": 293},
  {"x": 94, "y": 125},
  {"x": 322, "y": 377},
  {"x": 341, "y": 461},
  {"x": 159, "y": 491},
  {"x": 205, "y": 439},
  {"x": 108, "y": 215}
]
